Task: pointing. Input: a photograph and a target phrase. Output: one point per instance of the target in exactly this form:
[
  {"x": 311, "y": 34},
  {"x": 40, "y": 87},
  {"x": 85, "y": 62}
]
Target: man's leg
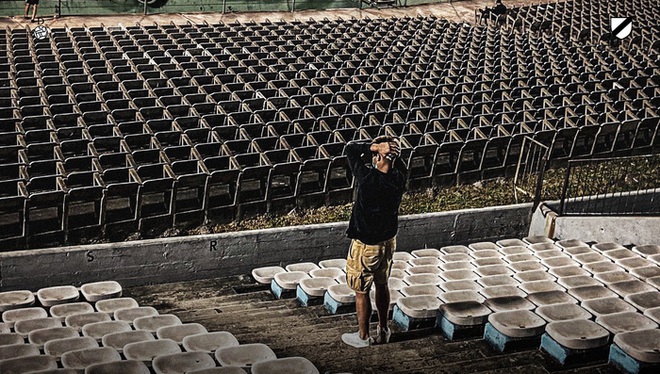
[
  {"x": 382, "y": 303},
  {"x": 363, "y": 311},
  {"x": 27, "y": 10},
  {"x": 34, "y": 12}
]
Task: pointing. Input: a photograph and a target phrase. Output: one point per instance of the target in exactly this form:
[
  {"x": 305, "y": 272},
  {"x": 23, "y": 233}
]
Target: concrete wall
[
  {"x": 217, "y": 255},
  {"x": 624, "y": 230}
]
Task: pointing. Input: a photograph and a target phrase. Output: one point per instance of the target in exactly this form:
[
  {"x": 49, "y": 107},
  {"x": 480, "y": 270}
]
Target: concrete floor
[
  {"x": 460, "y": 11},
  {"x": 250, "y": 312}
]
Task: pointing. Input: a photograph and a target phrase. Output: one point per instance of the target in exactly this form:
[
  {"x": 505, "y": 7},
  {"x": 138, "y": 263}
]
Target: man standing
[
  {"x": 34, "y": 4},
  {"x": 373, "y": 227}
]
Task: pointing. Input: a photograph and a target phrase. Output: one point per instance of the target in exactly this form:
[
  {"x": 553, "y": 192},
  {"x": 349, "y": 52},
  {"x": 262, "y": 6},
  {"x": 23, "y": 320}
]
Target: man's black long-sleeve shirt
[{"x": 375, "y": 213}]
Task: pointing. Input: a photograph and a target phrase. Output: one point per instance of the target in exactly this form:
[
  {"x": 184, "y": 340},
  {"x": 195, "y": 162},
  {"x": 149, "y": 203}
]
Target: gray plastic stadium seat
[
  {"x": 624, "y": 322},
  {"x": 292, "y": 365},
  {"x": 80, "y": 359},
  {"x": 179, "y": 332},
  {"x": 124, "y": 367},
  {"x": 58, "y": 347},
  {"x": 244, "y": 355}
]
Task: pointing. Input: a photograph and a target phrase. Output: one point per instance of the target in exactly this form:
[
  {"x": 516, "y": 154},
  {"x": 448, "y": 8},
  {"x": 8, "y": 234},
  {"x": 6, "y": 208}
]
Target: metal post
[
  {"x": 224, "y": 6},
  {"x": 293, "y": 8},
  {"x": 145, "y": 7}
]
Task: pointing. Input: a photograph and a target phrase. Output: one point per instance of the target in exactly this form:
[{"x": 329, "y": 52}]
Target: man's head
[
  {"x": 384, "y": 162},
  {"x": 498, "y": 1}
]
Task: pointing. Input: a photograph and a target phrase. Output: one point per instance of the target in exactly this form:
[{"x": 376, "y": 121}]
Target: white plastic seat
[
  {"x": 653, "y": 313},
  {"x": 10, "y": 338},
  {"x": 550, "y": 253},
  {"x": 578, "y": 281},
  {"x": 578, "y": 334},
  {"x": 264, "y": 275},
  {"x": 630, "y": 287},
  {"x": 400, "y": 265},
  {"x": 504, "y": 243},
  {"x": 502, "y": 291},
  {"x": 96, "y": 291},
  {"x": 551, "y": 297},
  {"x": 562, "y": 312},
  {"x": 451, "y": 249},
  {"x": 111, "y": 305},
  {"x": 569, "y": 271},
  {"x": 288, "y": 365},
  {"x": 654, "y": 281},
  {"x": 497, "y": 280},
  {"x": 178, "y": 332},
  {"x": 487, "y": 261},
  {"x": 644, "y": 300},
  {"x": 641, "y": 345},
  {"x": 542, "y": 246},
  {"x": 402, "y": 256},
  {"x": 454, "y": 275},
  {"x": 130, "y": 314},
  {"x": 426, "y": 269},
  {"x": 219, "y": 370},
  {"x": 124, "y": 367},
  {"x": 633, "y": 263},
  {"x": 148, "y": 350},
  {"x": 527, "y": 266},
  {"x": 425, "y": 261},
  {"x": 24, "y": 327},
  {"x": 326, "y": 273},
  {"x": 579, "y": 250},
  {"x": 590, "y": 258},
  {"x": 467, "y": 313},
  {"x": 485, "y": 271},
  {"x": 555, "y": 262},
  {"x": 336, "y": 263},
  {"x": 426, "y": 252},
  {"x": 654, "y": 258},
  {"x": 486, "y": 253},
  {"x": 602, "y": 267},
  {"x": 342, "y": 293},
  {"x": 97, "y": 330},
  {"x": 57, "y": 295},
  {"x": 209, "y": 342},
  {"x": 482, "y": 246},
  {"x": 4, "y": 328},
  {"x": 520, "y": 257},
  {"x": 77, "y": 321},
  {"x": 29, "y": 364},
  {"x": 153, "y": 323},
  {"x": 455, "y": 257},
  {"x": 42, "y": 336},
  {"x": 461, "y": 296},
  {"x": 607, "y": 305},
  {"x": 591, "y": 292},
  {"x": 290, "y": 279},
  {"x": 619, "y": 254},
  {"x": 570, "y": 243},
  {"x": 607, "y": 246},
  {"x": 421, "y": 279},
  {"x": 647, "y": 250},
  {"x": 515, "y": 250},
  {"x": 459, "y": 285},
  {"x": 304, "y": 267},
  {"x": 80, "y": 359},
  {"x": 537, "y": 239},
  {"x": 244, "y": 355},
  {"x": 62, "y": 311},
  {"x": 419, "y": 306},
  {"x": 646, "y": 272},
  {"x": 614, "y": 277},
  {"x": 424, "y": 289},
  {"x": 502, "y": 304},
  {"x": 10, "y": 317},
  {"x": 16, "y": 299},
  {"x": 533, "y": 276},
  {"x": 182, "y": 362},
  {"x": 458, "y": 265},
  {"x": 617, "y": 323},
  {"x": 394, "y": 273},
  {"x": 316, "y": 286},
  {"x": 118, "y": 340},
  {"x": 18, "y": 350},
  {"x": 517, "y": 323},
  {"x": 58, "y": 347}
]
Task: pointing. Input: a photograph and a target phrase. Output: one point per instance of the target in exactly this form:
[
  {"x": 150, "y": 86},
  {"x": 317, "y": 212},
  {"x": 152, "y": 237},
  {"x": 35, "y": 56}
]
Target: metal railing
[
  {"x": 530, "y": 171},
  {"x": 612, "y": 186}
]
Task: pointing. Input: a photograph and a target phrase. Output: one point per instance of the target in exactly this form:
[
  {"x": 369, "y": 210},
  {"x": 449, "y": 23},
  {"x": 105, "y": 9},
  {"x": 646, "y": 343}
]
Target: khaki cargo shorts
[{"x": 367, "y": 264}]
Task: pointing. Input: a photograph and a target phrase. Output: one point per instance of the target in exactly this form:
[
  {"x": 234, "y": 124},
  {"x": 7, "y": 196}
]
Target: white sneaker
[
  {"x": 354, "y": 340},
  {"x": 383, "y": 335}
]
